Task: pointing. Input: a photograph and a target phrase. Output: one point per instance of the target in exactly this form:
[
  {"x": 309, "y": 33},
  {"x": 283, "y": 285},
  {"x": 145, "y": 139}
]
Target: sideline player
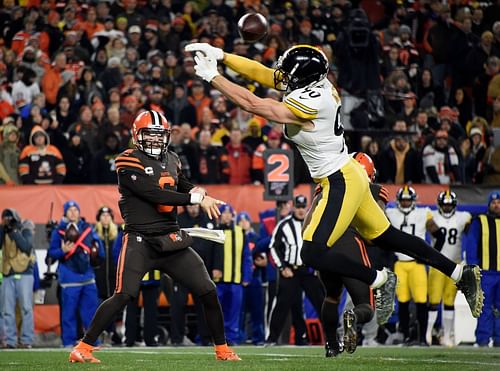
[
  {"x": 151, "y": 185},
  {"x": 453, "y": 224},
  {"x": 412, "y": 274},
  {"x": 310, "y": 112}
]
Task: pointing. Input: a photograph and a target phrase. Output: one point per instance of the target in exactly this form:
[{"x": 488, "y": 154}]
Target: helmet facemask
[
  {"x": 153, "y": 142},
  {"x": 406, "y": 200},
  {"x": 447, "y": 204}
]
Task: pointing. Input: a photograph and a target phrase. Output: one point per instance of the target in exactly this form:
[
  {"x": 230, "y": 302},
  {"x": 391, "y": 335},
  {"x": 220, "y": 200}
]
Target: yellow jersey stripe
[
  {"x": 497, "y": 227},
  {"x": 302, "y": 106},
  {"x": 318, "y": 211},
  {"x": 238, "y": 251},
  {"x": 228, "y": 263},
  {"x": 485, "y": 251}
]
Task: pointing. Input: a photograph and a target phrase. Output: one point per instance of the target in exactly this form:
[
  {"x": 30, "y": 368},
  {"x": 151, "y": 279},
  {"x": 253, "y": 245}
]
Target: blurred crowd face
[
  {"x": 235, "y": 137},
  {"x": 72, "y": 214},
  {"x": 86, "y": 115},
  {"x": 205, "y": 138},
  {"x": 105, "y": 219},
  {"x": 226, "y": 217},
  {"x": 113, "y": 115},
  {"x": 245, "y": 224},
  {"x": 64, "y": 104},
  {"x": 60, "y": 61},
  {"x": 494, "y": 207},
  {"x": 193, "y": 210},
  {"x": 441, "y": 142},
  {"x": 422, "y": 119}
]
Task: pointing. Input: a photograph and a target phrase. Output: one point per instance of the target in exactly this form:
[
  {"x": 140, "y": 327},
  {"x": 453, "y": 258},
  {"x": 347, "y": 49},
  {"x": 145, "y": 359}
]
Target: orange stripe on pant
[
  {"x": 121, "y": 263},
  {"x": 366, "y": 262}
]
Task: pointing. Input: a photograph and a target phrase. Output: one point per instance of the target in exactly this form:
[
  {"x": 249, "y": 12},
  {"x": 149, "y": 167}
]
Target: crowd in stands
[{"x": 418, "y": 79}]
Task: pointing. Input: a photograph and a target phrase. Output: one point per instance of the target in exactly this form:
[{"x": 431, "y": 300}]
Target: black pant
[
  {"x": 178, "y": 301},
  {"x": 289, "y": 291},
  {"x": 150, "y": 330}
]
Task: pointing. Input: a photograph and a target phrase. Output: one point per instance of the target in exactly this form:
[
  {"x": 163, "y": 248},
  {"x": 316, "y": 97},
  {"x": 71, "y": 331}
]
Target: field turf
[{"x": 259, "y": 358}]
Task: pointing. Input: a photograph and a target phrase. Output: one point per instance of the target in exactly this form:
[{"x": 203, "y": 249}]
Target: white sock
[
  {"x": 448, "y": 319},
  {"x": 380, "y": 279},
  {"x": 457, "y": 273},
  {"x": 432, "y": 316}
]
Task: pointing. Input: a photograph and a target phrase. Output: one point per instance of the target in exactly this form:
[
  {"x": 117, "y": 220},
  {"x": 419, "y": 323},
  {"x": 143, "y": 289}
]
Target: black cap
[
  {"x": 102, "y": 210},
  {"x": 300, "y": 201}
]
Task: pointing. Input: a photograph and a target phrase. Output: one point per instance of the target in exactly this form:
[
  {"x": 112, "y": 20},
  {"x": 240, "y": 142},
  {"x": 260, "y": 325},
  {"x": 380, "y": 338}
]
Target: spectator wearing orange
[
  {"x": 198, "y": 99},
  {"x": 20, "y": 39},
  {"x": 91, "y": 25},
  {"x": 53, "y": 79},
  {"x": 130, "y": 109},
  {"x": 40, "y": 162},
  {"x": 440, "y": 161},
  {"x": 236, "y": 160}
]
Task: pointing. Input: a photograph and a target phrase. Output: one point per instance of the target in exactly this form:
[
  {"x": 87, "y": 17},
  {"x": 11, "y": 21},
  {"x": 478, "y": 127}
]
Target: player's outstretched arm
[
  {"x": 250, "y": 69},
  {"x": 270, "y": 109}
]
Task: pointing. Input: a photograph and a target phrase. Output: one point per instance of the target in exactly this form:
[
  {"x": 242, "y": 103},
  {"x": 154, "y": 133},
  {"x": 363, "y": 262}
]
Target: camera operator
[
  {"x": 357, "y": 53},
  {"x": 16, "y": 241}
]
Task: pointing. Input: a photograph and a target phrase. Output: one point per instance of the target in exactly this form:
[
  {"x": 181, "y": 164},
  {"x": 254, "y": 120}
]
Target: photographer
[
  {"x": 16, "y": 241},
  {"x": 357, "y": 53},
  {"x": 77, "y": 248}
]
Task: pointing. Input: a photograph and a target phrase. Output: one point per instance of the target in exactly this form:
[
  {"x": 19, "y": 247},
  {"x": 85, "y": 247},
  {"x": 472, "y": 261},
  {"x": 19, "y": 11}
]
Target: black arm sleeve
[
  {"x": 431, "y": 171},
  {"x": 145, "y": 187},
  {"x": 440, "y": 237}
]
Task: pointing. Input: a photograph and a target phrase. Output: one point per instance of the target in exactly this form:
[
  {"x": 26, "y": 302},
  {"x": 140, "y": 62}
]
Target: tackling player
[
  {"x": 452, "y": 224},
  {"x": 352, "y": 244},
  {"x": 311, "y": 112},
  {"x": 412, "y": 274},
  {"x": 151, "y": 186}
]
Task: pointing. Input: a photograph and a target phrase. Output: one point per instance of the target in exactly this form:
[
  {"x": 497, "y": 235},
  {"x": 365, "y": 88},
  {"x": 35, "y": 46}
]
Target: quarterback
[{"x": 311, "y": 114}]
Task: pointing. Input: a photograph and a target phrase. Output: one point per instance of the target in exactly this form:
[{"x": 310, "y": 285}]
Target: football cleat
[
  {"x": 224, "y": 353},
  {"x": 82, "y": 353},
  {"x": 333, "y": 349},
  {"x": 470, "y": 285},
  {"x": 350, "y": 331},
  {"x": 384, "y": 298}
]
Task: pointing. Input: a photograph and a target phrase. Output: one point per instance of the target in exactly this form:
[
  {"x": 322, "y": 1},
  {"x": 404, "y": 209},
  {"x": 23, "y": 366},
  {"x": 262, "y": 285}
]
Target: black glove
[{"x": 440, "y": 236}]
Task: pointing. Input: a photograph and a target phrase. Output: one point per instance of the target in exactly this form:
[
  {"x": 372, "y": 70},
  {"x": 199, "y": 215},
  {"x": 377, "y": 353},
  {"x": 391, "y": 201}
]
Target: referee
[{"x": 294, "y": 276}]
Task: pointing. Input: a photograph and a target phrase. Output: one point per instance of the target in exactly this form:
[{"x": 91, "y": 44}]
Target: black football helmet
[
  {"x": 406, "y": 193},
  {"x": 447, "y": 203},
  {"x": 300, "y": 66}
]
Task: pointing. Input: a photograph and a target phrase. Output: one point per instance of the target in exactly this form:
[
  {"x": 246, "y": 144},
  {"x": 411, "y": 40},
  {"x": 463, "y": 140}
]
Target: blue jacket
[
  {"x": 75, "y": 268},
  {"x": 473, "y": 243},
  {"x": 267, "y": 222}
]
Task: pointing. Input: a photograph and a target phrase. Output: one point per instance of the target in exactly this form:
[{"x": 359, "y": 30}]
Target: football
[
  {"x": 252, "y": 27},
  {"x": 71, "y": 234}
]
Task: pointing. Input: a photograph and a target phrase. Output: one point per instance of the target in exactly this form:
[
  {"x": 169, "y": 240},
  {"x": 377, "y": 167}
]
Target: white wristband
[{"x": 196, "y": 198}]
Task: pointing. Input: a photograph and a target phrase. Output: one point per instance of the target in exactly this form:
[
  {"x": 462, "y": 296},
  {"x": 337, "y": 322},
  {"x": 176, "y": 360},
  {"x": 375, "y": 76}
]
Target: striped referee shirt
[{"x": 286, "y": 242}]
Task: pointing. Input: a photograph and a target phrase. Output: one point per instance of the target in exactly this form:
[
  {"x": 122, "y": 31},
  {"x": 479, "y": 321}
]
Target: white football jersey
[
  {"x": 453, "y": 228},
  {"x": 323, "y": 148},
  {"x": 412, "y": 223},
  {"x": 433, "y": 158}
]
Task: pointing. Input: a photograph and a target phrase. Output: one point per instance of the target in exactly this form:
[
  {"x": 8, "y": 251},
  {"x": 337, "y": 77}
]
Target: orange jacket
[{"x": 51, "y": 82}]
